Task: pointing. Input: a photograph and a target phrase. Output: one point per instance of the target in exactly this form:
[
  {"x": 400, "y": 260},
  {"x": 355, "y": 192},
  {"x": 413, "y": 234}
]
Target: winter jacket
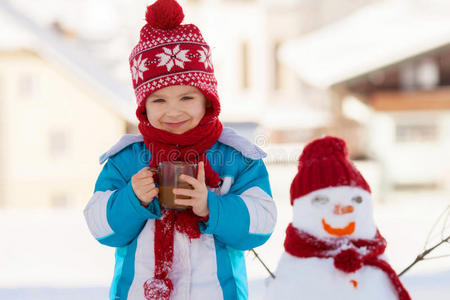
[{"x": 242, "y": 216}]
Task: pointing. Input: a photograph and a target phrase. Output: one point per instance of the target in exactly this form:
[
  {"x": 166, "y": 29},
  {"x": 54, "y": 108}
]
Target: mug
[{"x": 168, "y": 173}]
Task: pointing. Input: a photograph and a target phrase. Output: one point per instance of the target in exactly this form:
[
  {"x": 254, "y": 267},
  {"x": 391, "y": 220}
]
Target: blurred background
[{"x": 376, "y": 73}]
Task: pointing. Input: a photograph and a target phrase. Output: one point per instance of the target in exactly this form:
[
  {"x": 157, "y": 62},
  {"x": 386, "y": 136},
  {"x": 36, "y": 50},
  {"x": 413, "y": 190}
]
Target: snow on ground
[{"x": 49, "y": 253}]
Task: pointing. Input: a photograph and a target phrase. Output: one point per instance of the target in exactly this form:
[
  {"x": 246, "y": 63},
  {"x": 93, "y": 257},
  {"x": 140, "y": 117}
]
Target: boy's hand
[
  {"x": 144, "y": 187},
  {"x": 199, "y": 195}
]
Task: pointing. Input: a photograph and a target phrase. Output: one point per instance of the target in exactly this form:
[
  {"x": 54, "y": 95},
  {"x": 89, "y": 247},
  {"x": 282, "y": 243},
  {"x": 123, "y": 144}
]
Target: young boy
[{"x": 188, "y": 254}]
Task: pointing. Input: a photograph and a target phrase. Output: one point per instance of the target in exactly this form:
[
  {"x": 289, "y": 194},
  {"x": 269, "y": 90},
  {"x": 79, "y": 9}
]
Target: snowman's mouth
[{"x": 347, "y": 230}]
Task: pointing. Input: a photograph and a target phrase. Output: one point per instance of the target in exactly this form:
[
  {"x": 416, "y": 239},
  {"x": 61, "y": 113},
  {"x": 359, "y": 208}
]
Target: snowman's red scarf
[
  {"x": 191, "y": 147},
  {"x": 354, "y": 253}
]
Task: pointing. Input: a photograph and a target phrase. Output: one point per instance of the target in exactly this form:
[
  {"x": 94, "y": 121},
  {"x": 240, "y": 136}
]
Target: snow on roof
[
  {"x": 50, "y": 45},
  {"x": 374, "y": 37},
  {"x": 15, "y": 37}
]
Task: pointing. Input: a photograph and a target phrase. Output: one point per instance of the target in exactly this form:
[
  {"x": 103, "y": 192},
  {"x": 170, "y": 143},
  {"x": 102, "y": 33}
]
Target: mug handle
[{"x": 155, "y": 172}]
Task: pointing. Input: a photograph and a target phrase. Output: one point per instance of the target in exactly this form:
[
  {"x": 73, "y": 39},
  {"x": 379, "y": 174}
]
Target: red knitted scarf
[
  {"x": 190, "y": 147},
  {"x": 356, "y": 253}
]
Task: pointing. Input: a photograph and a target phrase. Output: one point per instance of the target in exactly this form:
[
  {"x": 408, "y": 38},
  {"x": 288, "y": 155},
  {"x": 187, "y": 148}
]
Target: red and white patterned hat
[{"x": 171, "y": 54}]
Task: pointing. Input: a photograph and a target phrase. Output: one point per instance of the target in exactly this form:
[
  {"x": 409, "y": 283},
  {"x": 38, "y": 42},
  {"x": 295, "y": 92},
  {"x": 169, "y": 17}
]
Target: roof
[
  {"x": 50, "y": 45},
  {"x": 373, "y": 38}
]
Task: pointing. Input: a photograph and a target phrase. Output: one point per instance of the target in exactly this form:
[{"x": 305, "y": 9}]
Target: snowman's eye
[
  {"x": 357, "y": 199},
  {"x": 320, "y": 199}
]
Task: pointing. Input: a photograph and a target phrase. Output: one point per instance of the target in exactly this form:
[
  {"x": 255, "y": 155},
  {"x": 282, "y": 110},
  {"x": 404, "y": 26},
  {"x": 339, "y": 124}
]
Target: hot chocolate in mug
[{"x": 168, "y": 173}]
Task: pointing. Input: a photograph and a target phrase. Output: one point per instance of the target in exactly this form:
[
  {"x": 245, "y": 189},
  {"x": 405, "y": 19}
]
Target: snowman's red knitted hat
[
  {"x": 169, "y": 53},
  {"x": 325, "y": 163}
]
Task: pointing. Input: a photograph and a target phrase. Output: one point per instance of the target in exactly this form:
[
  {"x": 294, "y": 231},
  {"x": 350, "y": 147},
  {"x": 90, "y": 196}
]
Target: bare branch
[
  {"x": 446, "y": 223},
  {"x": 257, "y": 256},
  {"x": 436, "y": 257},
  {"x": 445, "y": 214},
  {"x": 422, "y": 255}
]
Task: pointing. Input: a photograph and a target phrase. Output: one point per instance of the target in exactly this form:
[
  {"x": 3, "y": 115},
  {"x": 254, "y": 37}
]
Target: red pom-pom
[
  {"x": 348, "y": 261},
  {"x": 158, "y": 289},
  {"x": 164, "y": 14},
  {"x": 323, "y": 148}
]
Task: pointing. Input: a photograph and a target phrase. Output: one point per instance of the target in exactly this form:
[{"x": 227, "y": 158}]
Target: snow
[{"x": 49, "y": 253}]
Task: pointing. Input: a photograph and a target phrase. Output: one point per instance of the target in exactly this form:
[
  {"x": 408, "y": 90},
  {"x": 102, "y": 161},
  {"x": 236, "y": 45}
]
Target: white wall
[
  {"x": 33, "y": 174},
  {"x": 411, "y": 162}
]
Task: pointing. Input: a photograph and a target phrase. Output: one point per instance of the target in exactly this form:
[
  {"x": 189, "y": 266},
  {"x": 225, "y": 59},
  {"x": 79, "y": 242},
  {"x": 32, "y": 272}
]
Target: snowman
[{"x": 333, "y": 249}]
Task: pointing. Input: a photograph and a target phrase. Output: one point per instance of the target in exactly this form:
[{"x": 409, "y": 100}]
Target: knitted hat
[
  {"x": 325, "y": 163},
  {"x": 171, "y": 54}
]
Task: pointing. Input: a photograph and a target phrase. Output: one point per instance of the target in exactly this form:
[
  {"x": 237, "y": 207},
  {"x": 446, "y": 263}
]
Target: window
[
  {"x": 245, "y": 64},
  {"x": 57, "y": 143},
  {"x": 427, "y": 74},
  {"x": 59, "y": 200},
  {"x": 420, "y": 75},
  {"x": 279, "y": 71},
  {"x": 27, "y": 87},
  {"x": 416, "y": 132}
]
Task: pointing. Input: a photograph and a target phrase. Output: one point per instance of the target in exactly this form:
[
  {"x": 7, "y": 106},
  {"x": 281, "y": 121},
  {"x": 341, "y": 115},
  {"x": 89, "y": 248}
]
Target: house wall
[
  {"x": 412, "y": 147},
  {"x": 53, "y": 130}
]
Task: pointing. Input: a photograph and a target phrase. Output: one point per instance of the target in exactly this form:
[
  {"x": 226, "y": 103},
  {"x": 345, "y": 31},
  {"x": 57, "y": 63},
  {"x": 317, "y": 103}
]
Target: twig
[
  {"x": 257, "y": 256},
  {"x": 422, "y": 255},
  {"x": 447, "y": 217},
  {"x": 436, "y": 257},
  {"x": 445, "y": 213}
]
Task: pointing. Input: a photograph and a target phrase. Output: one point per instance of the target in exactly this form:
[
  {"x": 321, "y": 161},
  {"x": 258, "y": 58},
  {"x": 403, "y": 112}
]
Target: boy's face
[{"x": 176, "y": 108}]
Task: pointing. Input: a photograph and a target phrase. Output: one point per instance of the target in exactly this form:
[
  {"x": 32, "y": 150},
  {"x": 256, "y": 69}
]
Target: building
[
  {"x": 254, "y": 84},
  {"x": 57, "y": 116},
  {"x": 63, "y": 64},
  {"x": 387, "y": 69}
]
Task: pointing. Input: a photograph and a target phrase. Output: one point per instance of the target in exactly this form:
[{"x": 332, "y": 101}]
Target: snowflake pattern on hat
[
  {"x": 205, "y": 57},
  {"x": 138, "y": 68},
  {"x": 169, "y": 58}
]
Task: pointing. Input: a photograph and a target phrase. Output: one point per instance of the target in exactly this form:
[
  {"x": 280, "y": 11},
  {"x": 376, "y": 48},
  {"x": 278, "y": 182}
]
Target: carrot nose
[{"x": 340, "y": 210}]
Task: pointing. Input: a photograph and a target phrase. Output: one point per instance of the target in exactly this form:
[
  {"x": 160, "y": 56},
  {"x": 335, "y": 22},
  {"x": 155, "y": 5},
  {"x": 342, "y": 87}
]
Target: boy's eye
[
  {"x": 187, "y": 98},
  {"x": 158, "y": 100}
]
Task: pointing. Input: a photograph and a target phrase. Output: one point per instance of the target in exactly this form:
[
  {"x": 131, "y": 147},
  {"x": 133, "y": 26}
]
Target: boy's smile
[
  {"x": 175, "y": 125},
  {"x": 176, "y": 109}
]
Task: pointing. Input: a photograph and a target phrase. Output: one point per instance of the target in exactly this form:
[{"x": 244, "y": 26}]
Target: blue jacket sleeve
[
  {"x": 114, "y": 214},
  {"x": 245, "y": 217}
]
